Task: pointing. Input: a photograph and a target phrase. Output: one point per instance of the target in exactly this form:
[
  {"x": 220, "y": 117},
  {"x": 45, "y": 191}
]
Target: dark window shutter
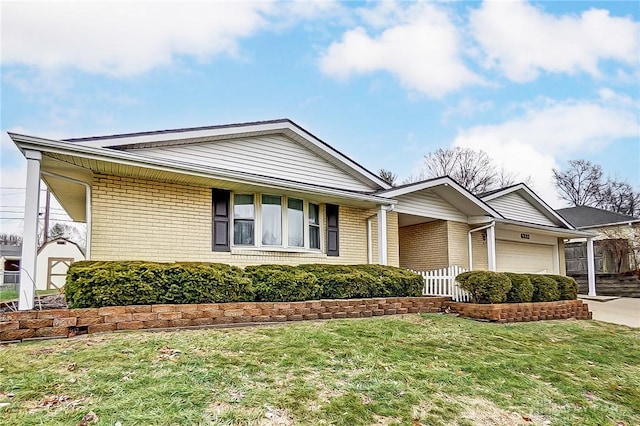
[
  {"x": 221, "y": 220},
  {"x": 333, "y": 236}
]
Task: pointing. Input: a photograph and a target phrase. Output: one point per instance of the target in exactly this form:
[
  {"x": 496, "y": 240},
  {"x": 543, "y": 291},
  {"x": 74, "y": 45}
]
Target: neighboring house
[
  {"x": 271, "y": 192},
  {"x": 617, "y": 243},
  {"x": 10, "y": 264},
  {"x": 53, "y": 261}
]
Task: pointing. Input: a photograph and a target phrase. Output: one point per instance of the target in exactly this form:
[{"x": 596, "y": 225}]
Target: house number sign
[{"x": 525, "y": 236}]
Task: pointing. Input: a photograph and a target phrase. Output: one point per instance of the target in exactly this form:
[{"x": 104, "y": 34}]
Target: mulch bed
[{"x": 50, "y": 301}]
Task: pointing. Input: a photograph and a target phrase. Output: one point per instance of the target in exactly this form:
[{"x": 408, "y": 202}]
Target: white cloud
[
  {"x": 422, "y": 48},
  {"x": 466, "y": 107},
  {"x": 530, "y": 145},
  {"x": 523, "y": 40},
  {"x": 124, "y": 38}
]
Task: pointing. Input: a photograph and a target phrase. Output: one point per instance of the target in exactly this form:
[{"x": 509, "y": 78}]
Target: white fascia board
[
  {"x": 573, "y": 233},
  {"x": 234, "y": 131},
  {"x": 25, "y": 142},
  {"x": 532, "y": 196},
  {"x": 432, "y": 183}
]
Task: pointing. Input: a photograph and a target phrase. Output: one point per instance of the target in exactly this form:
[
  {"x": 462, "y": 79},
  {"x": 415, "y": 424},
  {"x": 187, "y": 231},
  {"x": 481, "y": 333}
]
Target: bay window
[
  {"x": 314, "y": 226},
  {"x": 271, "y": 220},
  {"x": 275, "y": 221},
  {"x": 295, "y": 217}
]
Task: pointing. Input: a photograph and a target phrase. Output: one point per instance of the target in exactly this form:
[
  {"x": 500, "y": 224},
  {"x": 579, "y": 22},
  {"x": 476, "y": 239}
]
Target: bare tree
[
  {"x": 68, "y": 232},
  {"x": 412, "y": 178},
  {"x": 581, "y": 184},
  {"x": 10, "y": 239},
  {"x": 470, "y": 168},
  {"x": 619, "y": 197},
  {"x": 388, "y": 176}
]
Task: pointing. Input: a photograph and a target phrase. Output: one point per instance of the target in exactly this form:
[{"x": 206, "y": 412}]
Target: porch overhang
[{"x": 514, "y": 225}]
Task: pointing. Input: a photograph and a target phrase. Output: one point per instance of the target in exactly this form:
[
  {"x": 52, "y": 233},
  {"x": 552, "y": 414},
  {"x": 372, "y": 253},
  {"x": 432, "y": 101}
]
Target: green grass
[
  {"x": 13, "y": 294},
  {"x": 430, "y": 369}
]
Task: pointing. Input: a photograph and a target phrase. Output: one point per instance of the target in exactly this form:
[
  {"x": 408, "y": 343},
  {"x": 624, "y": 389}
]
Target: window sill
[{"x": 267, "y": 251}]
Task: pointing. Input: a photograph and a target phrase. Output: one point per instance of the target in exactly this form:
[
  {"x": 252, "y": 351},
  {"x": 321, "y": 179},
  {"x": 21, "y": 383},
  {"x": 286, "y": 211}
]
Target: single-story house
[
  {"x": 53, "y": 261},
  {"x": 617, "y": 240},
  {"x": 272, "y": 192}
]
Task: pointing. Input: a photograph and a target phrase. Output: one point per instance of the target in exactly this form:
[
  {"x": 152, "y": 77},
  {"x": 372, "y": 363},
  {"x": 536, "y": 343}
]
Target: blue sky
[{"x": 534, "y": 84}]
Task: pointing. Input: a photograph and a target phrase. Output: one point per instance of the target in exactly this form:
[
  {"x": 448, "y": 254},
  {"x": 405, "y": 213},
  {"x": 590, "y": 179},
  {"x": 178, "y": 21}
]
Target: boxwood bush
[
  {"x": 490, "y": 287},
  {"x": 567, "y": 286},
  {"x": 545, "y": 289},
  {"x": 98, "y": 283},
  {"x": 521, "y": 288},
  {"x": 485, "y": 286},
  {"x": 279, "y": 283},
  {"x": 354, "y": 281}
]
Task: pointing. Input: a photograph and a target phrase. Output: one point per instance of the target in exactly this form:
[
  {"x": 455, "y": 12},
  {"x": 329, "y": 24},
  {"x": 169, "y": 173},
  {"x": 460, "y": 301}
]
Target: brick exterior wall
[
  {"x": 139, "y": 219},
  {"x": 15, "y": 326},
  {"x": 424, "y": 246},
  {"x": 480, "y": 254},
  {"x": 458, "y": 244},
  {"x": 434, "y": 245}
]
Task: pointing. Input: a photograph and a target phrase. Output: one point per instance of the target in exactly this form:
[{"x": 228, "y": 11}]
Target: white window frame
[
  {"x": 257, "y": 225},
  {"x": 233, "y": 219}
]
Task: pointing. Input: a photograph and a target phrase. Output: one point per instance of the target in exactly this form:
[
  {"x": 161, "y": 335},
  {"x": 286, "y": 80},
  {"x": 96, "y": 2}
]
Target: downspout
[
  {"x": 87, "y": 187},
  {"x": 491, "y": 225},
  {"x": 369, "y": 240}
]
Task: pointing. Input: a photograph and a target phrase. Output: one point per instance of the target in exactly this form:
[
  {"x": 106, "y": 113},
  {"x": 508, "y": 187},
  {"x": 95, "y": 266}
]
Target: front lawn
[
  {"x": 7, "y": 295},
  {"x": 429, "y": 369}
]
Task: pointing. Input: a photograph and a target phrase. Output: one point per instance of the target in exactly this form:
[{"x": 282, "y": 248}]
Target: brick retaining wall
[
  {"x": 523, "y": 312},
  {"x": 60, "y": 323},
  {"x": 52, "y": 323}
]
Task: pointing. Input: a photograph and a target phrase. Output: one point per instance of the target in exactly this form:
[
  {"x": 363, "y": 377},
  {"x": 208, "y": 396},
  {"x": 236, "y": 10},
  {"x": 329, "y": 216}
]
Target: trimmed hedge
[
  {"x": 485, "y": 286},
  {"x": 545, "y": 289},
  {"x": 521, "y": 288},
  {"x": 490, "y": 287},
  {"x": 96, "y": 284},
  {"x": 567, "y": 286},
  {"x": 277, "y": 283},
  {"x": 102, "y": 283}
]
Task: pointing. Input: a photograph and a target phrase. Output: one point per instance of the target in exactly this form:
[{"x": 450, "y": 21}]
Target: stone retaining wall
[
  {"x": 522, "y": 312},
  {"x": 15, "y": 326}
]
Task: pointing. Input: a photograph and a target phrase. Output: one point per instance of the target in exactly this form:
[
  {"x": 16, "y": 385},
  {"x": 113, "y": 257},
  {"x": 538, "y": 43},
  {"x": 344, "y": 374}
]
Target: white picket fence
[{"x": 442, "y": 282}]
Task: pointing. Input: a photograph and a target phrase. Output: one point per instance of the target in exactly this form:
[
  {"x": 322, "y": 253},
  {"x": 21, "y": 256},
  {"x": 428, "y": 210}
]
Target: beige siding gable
[
  {"x": 514, "y": 206},
  {"x": 427, "y": 204},
  {"x": 273, "y": 156}
]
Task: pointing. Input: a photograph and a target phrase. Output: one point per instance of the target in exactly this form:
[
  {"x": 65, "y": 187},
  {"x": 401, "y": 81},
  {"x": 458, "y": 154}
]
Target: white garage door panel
[{"x": 523, "y": 257}]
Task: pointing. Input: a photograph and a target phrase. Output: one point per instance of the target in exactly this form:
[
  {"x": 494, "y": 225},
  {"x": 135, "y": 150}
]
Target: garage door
[{"x": 523, "y": 257}]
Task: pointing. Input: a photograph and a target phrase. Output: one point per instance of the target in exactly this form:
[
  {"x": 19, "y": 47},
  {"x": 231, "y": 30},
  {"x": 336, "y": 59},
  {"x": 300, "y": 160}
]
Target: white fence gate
[{"x": 442, "y": 282}]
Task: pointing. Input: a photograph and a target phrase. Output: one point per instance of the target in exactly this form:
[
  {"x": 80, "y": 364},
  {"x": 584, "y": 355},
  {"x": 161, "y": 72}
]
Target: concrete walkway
[{"x": 623, "y": 311}]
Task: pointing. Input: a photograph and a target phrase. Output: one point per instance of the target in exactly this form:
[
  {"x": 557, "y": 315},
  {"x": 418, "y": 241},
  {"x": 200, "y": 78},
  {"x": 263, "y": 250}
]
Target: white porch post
[
  {"x": 30, "y": 236},
  {"x": 591, "y": 267},
  {"x": 491, "y": 248},
  {"x": 382, "y": 235}
]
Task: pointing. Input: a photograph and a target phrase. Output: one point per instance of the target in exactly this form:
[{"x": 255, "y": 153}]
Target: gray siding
[
  {"x": 428, "y": 204},
  {"x": 513, "y": 206},
  {"x": 272, "y": 156}
]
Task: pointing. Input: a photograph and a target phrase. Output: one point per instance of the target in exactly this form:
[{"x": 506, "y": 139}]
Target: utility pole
[{"x": 47, "y": 208}]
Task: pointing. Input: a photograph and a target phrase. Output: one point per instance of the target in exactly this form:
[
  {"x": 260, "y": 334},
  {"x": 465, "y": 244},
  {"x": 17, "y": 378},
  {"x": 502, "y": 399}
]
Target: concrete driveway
[{"x": 623, "y": 310}]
